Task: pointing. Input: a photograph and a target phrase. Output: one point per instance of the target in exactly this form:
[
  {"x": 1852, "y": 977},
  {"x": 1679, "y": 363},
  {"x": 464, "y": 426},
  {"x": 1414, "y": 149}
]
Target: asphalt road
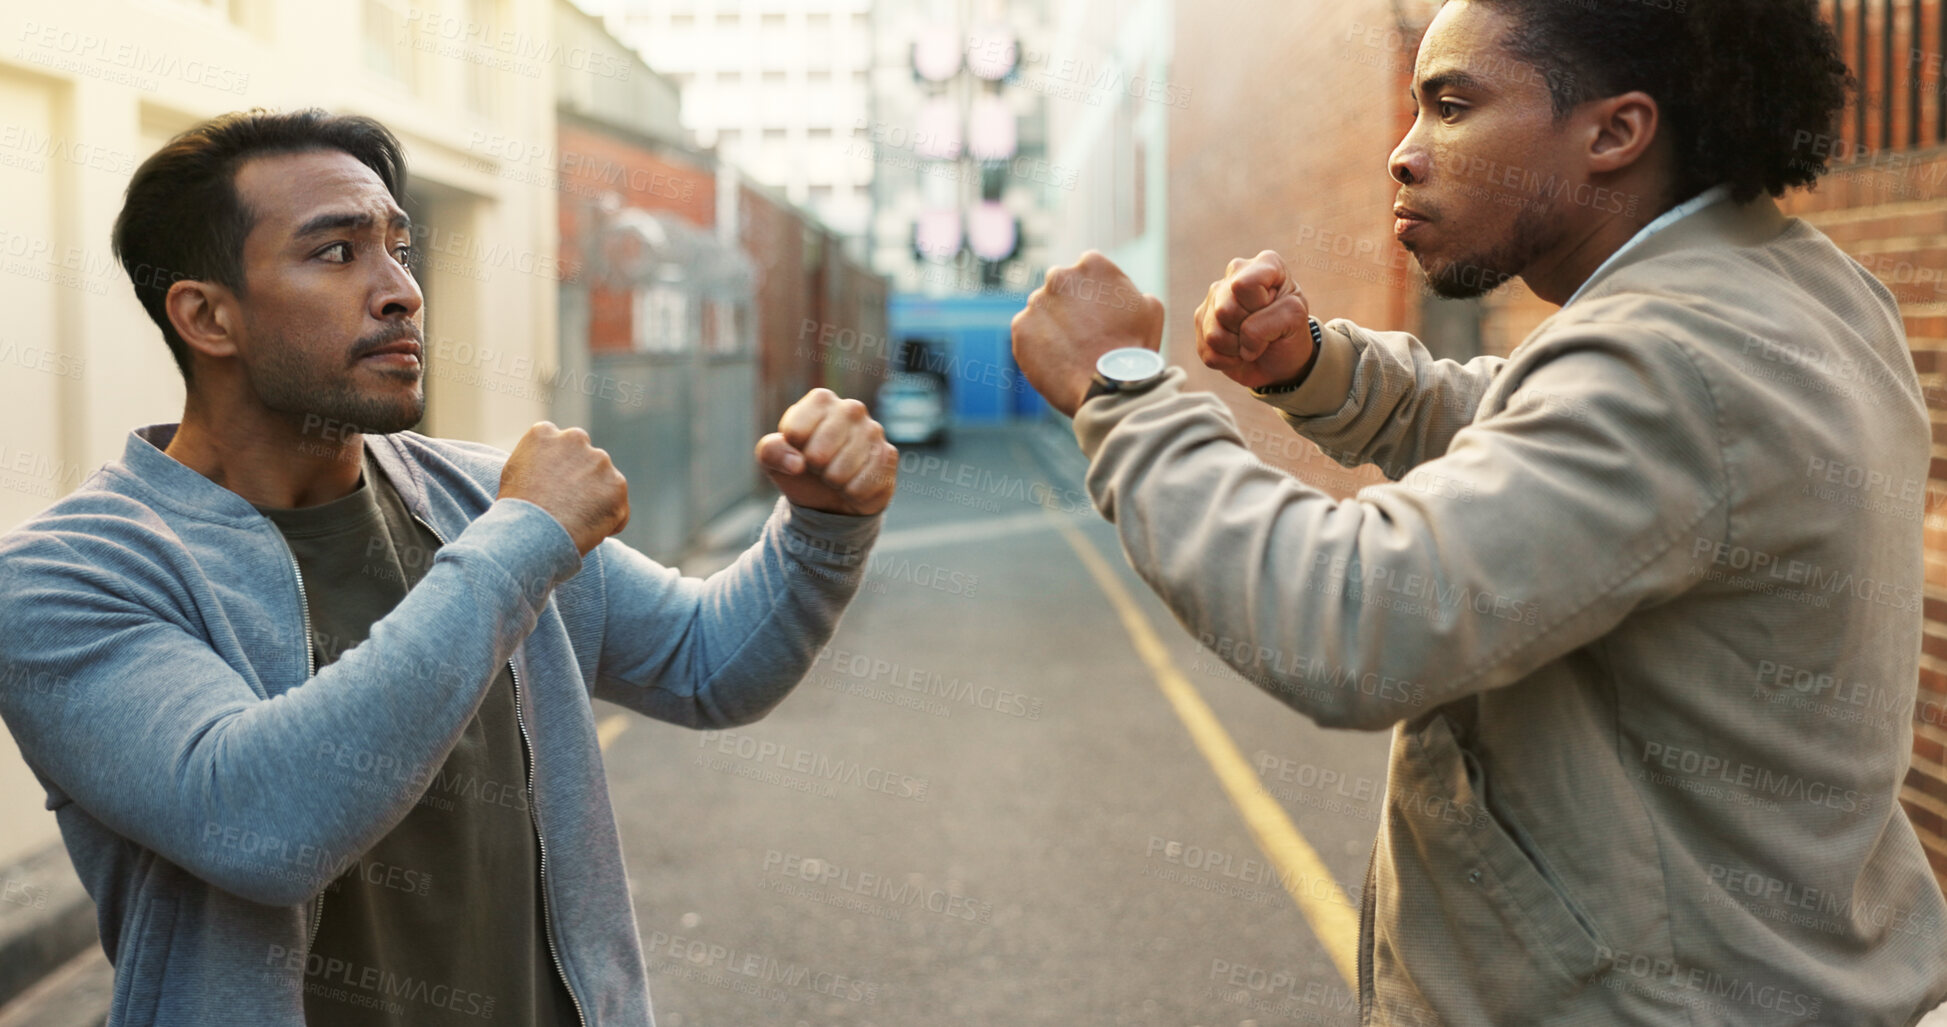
[{"x": 981, "y": 809}]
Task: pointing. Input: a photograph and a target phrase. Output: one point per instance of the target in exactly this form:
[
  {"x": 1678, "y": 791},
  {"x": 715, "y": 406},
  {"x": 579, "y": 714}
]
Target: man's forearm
[
  {"x": 1381, "y": 398},
  {"x": 725, "y": 650}
]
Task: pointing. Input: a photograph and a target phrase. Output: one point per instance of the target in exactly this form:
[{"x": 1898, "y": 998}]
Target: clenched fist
[
  {"x": 1078, "y": 314},
  {"x": 828, "y": 455},
  {"x": 1254, "y": 326},
  {"x": 563, "y": 473}
]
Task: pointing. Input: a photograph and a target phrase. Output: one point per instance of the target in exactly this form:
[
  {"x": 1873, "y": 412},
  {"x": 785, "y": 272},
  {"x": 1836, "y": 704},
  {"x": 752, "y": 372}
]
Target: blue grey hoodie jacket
[{"x": 156, "y": 671}]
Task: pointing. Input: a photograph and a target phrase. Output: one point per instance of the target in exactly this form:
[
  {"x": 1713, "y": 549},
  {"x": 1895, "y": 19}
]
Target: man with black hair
[
  {"x": 1641, "y": 604},
  {"x": 310, "y": 693}
]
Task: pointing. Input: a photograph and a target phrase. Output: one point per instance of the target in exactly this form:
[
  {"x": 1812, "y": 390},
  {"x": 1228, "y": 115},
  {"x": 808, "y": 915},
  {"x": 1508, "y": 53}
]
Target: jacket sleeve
[
  {"x": 116, "y": 703},
  {"x": 1538, "y": 531},
  {"x": 725, "y": 650},
  {"x": 1381, "y": 398}
]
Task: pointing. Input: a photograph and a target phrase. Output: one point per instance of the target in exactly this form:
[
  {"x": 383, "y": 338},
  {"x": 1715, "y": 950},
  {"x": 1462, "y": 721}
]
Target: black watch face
[{"x": 1130, "y": 365}]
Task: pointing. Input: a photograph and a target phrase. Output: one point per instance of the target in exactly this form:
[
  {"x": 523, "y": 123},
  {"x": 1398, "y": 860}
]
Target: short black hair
[
  {"x": 183, "y": 220},
  {"x": 1741, "y": 83}
]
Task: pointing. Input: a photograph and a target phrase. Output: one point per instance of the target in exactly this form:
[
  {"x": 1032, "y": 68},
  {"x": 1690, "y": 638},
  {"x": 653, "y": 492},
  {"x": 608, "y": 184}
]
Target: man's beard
[
  {"x": 286, "y": 383},
  {"x": 1481, "y": 273}
]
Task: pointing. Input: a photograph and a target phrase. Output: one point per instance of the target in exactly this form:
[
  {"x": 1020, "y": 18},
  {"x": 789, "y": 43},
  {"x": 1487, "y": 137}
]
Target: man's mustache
[{"x": 403, "y": 331}]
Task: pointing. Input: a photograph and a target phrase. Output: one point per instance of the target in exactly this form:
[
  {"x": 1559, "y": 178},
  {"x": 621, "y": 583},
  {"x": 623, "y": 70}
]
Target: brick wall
[{"x": 1283, "y": 147}]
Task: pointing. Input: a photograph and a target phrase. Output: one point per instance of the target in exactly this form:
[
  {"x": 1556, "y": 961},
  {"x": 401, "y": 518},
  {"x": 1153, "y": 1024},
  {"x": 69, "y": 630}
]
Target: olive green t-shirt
[{"x": 441, "y": 921}]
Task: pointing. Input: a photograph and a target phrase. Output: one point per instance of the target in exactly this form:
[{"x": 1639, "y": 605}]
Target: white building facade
[{"x": 779, "y": 88}]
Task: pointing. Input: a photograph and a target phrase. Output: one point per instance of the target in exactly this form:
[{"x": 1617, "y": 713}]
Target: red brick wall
[
  {"x": 1283, "y": 147},
  {"x": 593, "y": 163},
  {"x": 774, "y": 235}
]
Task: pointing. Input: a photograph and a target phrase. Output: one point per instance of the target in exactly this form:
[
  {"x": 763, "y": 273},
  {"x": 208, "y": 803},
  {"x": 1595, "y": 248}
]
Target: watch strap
[{"x": 1304, "y": 373}]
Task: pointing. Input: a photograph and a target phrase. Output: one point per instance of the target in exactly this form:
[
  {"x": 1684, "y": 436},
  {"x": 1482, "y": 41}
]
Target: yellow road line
[
  {"x": 1320, "y": 899},
  {"x": 606, "y": 731}
]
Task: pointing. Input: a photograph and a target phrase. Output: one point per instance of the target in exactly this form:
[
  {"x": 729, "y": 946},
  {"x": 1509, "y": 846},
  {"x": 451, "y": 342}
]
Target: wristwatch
[
  {"x": 1318, "y": 346},
  {"x": 1129, "y": 369}
]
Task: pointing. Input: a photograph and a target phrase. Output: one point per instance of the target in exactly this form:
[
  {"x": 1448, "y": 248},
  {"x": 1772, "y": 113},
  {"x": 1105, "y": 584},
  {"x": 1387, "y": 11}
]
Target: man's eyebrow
[
  {"x": 357, "y": 221},
  {"x": 1446, "y": 80}
]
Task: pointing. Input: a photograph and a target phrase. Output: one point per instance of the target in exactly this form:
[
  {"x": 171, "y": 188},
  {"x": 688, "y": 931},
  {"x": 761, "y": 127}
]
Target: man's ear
[
  {"x": 1621, "y": 130},
  {"x": 205, "y": 316}
]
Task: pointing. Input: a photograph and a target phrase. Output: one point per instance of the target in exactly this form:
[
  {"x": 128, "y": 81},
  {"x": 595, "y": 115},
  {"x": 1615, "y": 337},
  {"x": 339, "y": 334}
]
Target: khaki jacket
[{"x": 1641, "y": 606}]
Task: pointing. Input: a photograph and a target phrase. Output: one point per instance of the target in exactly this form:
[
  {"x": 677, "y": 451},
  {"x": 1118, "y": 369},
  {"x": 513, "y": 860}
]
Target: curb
[{"x": 46, "y": 919}]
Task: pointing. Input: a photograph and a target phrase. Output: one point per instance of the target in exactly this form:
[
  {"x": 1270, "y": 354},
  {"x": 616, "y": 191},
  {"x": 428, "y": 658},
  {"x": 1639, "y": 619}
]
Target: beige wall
[{"x": 90, "y": 87}]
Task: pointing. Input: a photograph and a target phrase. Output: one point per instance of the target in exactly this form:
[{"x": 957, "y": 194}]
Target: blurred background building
[{"x": 780, "y": 89}]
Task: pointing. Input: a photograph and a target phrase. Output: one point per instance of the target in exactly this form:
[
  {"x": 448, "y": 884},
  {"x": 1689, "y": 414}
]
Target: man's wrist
[{"x": 1304, "y": 373}]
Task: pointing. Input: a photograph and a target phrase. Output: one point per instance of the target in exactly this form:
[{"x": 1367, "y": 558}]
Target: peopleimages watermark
[
  {"x": 1305, "y": 675},
  {"x": 574, "y": 172},
  {"x": 1699, "y": 772},
  {"x": 28, "y": 148},
  {"x": 24, "y": 893},
  {"x": 756, "y": 756},
  {"x": 931, "y": 684},
  {"x": 1828, "y": 694},
  {"x": 506, "y": 49},
  {"x": 1821, "y": 909},
  {"x": 1796, "y": 580},
  {"x": 1247, "y": 871},
  {"x": 1695, "y": 985},
  {"x": 897, "y": 892},
  {"x": 372, "y": 987},
  {"x": 851, "y": 349},
  {"x": 1414, "y": 592},
  {"x": 1288, "y": 996},
  {"x": 1079, "y": 79},
  {"x": 757, "y": 968},
  {"x": 122, "y": 61}
]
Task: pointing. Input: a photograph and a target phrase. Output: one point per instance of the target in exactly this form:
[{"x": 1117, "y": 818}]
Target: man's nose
[
  {"x": 397, "y": 293},
  {"x": 1408, "y": 163}
]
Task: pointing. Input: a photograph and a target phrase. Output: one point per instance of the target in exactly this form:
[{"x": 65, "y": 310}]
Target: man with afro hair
[{"x": 1641, "y": 605}]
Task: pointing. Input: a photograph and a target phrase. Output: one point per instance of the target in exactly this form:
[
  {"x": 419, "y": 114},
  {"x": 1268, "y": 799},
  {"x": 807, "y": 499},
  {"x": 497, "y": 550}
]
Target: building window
[
  {"x": 723, "y": 322},
  {"x": 388, "y": 40},
  {"x": 661, "y": 320},
  {"x": 481, "y": 78}
]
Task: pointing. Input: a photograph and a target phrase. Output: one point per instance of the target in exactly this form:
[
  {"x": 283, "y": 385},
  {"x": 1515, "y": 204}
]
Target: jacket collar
[
  {"x": 1719, "y": 225},
  {"x": 177, "y": 486}
]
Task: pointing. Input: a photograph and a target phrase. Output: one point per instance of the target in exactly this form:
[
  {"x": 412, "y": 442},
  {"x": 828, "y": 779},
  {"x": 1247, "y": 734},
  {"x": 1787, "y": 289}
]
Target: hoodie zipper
[
  {"x": 534, "y": 817},
  {"x": 310, "y": 671}
]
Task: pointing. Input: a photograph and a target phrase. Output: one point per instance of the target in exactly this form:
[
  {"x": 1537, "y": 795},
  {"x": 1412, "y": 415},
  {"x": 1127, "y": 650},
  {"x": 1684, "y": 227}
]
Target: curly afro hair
[{"x": 1744, "y": 85}]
